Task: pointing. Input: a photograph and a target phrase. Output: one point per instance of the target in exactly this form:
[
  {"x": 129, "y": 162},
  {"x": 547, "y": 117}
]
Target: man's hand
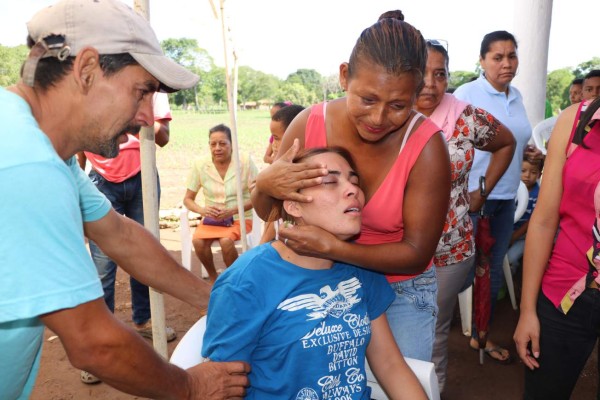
[{"x": 219, "y": 380}]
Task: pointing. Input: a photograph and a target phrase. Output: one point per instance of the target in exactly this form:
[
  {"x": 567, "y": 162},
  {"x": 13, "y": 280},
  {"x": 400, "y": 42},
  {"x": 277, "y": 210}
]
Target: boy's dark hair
[
  {"x": 595, "y": 73},
  {"x": 282, "y": 104},
  {"x": 577, "y": 81},
  {"x": 539, "y": 164},
  {"x": 285, "y": 115}
]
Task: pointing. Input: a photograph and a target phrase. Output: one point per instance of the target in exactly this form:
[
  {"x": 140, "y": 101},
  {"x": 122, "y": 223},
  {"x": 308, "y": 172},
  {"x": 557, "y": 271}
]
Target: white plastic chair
[
  {"x": 465, "y": 304},
  {"x": 425, "y": 372},
  {"x": 252, "y": 238},
  {"x": 465, "y": 298},
  {"x": 522, "y": 201},
  {"x": 188, "y": 353},
  {"x": 541, "y": 133}
]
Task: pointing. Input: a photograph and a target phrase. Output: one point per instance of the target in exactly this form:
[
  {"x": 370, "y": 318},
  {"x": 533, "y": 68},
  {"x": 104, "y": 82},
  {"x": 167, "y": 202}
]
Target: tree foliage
[
  {"x": 296, "y": 93},
  {"x": 458, "y": 78},
  {"x": 557, "y": 88},
  {"x": 582, "y": 69},
  {"x": 311, "y": 80},
  {"x": 11, "y": 59},
  {"x": 187, "y": 53},
  {"x": 255, "y": 85},
  {"x": 330, "y": 85},
  {"x": 305, "y": 86}
]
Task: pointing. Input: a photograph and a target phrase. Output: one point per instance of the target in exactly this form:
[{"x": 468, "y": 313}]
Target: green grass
[{"x": 189, "y": 140}]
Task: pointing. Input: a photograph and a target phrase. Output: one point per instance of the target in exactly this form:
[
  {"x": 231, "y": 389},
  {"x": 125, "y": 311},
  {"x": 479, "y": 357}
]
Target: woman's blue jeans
[
  {"x": 412, "y": 315},
  {"x": 126, "y": 199}
]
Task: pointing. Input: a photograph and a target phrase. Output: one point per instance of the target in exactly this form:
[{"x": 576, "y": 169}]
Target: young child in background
[
  {"x": 305, "y": 324},
  {"x": 279, "y": 123},
  {"x": 530, "y": 173},
  {"x": 269, "y": 156}
]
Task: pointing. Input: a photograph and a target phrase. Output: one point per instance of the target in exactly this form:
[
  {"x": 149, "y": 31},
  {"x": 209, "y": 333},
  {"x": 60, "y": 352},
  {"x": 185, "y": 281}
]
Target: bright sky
[{"x": 281, "y": 36}]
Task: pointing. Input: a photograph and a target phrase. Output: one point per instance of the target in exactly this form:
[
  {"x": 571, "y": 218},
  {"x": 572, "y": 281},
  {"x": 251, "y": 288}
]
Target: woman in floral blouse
[{"x": 465, "y": 128}]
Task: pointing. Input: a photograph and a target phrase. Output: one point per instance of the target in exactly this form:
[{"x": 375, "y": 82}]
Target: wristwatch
[{"x": 482, "y": 188}]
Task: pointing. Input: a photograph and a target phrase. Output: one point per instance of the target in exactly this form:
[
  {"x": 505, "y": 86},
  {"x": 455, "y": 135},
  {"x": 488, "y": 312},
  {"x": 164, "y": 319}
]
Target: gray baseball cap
[{"x": 111, "y": 27}]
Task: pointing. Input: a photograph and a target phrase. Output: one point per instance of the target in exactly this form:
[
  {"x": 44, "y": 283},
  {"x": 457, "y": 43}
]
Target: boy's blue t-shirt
[
  {"x": 44, "y": 263},
  {"x": 304, "y": 332}
]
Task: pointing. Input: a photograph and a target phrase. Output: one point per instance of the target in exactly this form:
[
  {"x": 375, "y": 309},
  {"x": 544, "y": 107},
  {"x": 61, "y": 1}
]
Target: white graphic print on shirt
[
  {"x": 342, "y": 341},
  {"x": 334, "y": 303}
]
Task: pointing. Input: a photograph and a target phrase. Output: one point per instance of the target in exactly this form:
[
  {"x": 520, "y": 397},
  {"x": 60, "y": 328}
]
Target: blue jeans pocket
[
  {"x": 421, "y": 291},
  {"x": 97, "y": 179}
]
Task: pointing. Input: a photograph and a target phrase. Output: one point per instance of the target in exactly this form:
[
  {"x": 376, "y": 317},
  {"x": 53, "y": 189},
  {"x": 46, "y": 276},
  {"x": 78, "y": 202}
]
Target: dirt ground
[{"x": 467, "y": 380}]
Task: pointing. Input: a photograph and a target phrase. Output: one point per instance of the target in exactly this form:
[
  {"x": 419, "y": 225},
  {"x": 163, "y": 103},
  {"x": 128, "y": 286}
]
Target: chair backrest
[
  {"x": 425, "y": 372},
  {"x": 541, "y": 133},
  {"x": 186, "y": 239},
  {"x": 522, "y": 201},
  {"x": 188, "y": 353},
  {"x": 253, "y": 238}
]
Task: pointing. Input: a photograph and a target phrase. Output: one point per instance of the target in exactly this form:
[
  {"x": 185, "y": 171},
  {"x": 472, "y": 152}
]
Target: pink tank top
[
  {"x": 382, "y": 220},
  {"x": 568, "y": 262}
]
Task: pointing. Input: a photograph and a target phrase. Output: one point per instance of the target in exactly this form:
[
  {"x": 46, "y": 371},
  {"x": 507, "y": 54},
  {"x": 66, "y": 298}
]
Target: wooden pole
[
  {"x": 150, "y": 199},
  {"x": 232, "y": 105}
]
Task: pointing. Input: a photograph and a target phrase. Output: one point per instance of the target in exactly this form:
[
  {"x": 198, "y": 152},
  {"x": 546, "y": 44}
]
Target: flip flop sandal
[
  {"x": 88, "y": 378},
  {"x": 498, "y": 350}
]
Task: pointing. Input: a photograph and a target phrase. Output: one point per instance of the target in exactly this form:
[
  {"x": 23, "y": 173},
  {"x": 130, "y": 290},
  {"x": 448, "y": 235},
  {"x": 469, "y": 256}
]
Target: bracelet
[{"x": 482, "y": 188}]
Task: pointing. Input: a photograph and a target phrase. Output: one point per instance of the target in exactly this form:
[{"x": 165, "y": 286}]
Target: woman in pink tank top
[
  {"x": 403, "y": 164},
  {"x": 560, "y": 325}
]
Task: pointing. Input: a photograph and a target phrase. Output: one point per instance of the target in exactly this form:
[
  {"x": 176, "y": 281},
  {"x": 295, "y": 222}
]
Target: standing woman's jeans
[
  {"x": 502, "y": 215},
  {"x": 126, "y": 198},
  {"x": 412, "y": 315}
]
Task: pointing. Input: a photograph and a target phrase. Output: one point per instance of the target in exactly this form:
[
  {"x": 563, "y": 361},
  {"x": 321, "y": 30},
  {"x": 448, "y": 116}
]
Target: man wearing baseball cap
[{"x": 88, "y": 80}]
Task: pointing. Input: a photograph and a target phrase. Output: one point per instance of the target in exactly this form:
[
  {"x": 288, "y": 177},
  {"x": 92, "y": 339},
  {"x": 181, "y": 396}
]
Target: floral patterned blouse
[{"x": 475, "y": 128}]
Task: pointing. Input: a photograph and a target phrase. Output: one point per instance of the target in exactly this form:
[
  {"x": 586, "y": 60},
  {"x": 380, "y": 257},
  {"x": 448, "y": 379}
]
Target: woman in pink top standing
[
  {"x": 403, "y": 162},
  {"x": 560, "y": 325}
]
